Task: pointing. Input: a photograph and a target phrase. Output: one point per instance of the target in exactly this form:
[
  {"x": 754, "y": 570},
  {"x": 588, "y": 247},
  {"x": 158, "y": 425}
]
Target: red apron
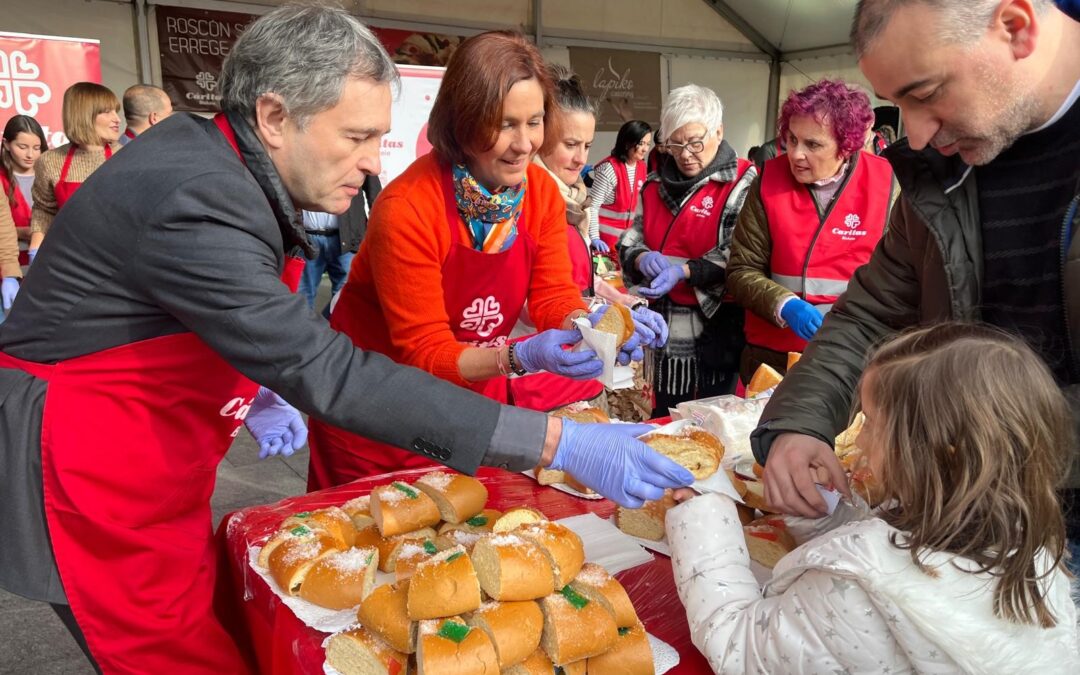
[
  {"x": 65, "y": 188},
  {"x": 20, "y": 210},
  {"x": 484, "y": 294},
  {"x": 617, "y": 216},
  {"x": 547, "y": 391},
  {"x": 130, "y": 442}
]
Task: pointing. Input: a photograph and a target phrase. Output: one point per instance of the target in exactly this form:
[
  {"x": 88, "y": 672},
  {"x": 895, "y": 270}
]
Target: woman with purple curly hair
[{"x": 812, "y": 217}]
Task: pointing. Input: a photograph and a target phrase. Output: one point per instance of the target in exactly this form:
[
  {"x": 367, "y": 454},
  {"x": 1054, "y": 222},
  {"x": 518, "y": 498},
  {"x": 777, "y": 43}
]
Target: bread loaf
[
  {"x": 575, "y": 628},
  {"x": 462, "y": 538},
  {"x": 764, "y": 379},
  {"x": 514, "y": 628},
  {"x": 631, "y": 655},
  {"x": 410, "y": 554},
  {"x": 536, "y": 663},
  {"x": 333, "y": 520},
  {"x": 746, "y": 514},
  {"x": 359, "y": 509},
  {"x": 582, "y": 414},
  {"x": 290, "y": 561},
  {"x": 694, "y": 448},
  {"x": 341, "y": 579},
  {"x": 389, "y": 546},
  {"x": 481, "y": 522},
  {"x": 512, "y": 568},
  {"x": 550, "y": 477},
  {"x": 562, "y": 546},
  {"x": 398, "y": 508},
  {"x": 385, "y": 612},
  {"x": 516, "y": 517},
  {"x": 792, "y": 359},
  {"x": 280, "y": 537},
  {"x": 648, "y": 521},
  {"x": 457, "y": 496},
  {"x": 452, "y": 647},
  {"x": 358, "y": 652},
  {"x": 444, "y": 585},
  {"x": 755, "y": 496},
  {"x": 767, "y": 540},
  {"x": 618, "y": 321},
  {"x": 594, "y": 583}
]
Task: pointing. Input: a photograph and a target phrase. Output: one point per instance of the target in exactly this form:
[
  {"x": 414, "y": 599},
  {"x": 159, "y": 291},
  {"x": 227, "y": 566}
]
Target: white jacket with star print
[{"x": 849, "y": 601}]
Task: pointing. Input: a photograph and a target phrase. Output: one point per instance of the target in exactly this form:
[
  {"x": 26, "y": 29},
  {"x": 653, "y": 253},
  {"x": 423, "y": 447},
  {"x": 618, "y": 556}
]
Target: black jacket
[{"x": 353, "y": 223}]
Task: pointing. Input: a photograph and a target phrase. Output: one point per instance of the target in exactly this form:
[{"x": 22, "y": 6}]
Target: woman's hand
[
  {"x": 663, "y": 283},
  {"x": 652, "y": 263},
  {"x": 600, "y": 246},
  {"x": 547, "y": 351}
]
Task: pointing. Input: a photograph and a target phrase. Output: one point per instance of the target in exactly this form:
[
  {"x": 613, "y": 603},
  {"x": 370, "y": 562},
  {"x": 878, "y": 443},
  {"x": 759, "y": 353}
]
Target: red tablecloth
[{"x": 282, "y": 644}]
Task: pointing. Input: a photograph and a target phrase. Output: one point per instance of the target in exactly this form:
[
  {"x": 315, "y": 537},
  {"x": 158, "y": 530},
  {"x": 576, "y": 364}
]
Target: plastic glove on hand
[
  {"x": 275, "y": 425},
  {"x": 652, "y": 264},
  {"x": 608, "y": 458},
  {"x": 650, "y": 326},
  {"x": 803, "y": 318},
  {"x": 663, "y": 283},
  {"x": 600, "y": 246},
  {"x": 32, "y": 253},
  {"x": 631, "y": 349},
  {"x": 546, "y": 351},
  {"x": 9, "y": 288}
]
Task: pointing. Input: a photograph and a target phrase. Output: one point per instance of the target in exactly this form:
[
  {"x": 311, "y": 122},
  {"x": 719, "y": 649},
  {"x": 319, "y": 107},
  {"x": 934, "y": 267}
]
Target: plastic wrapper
[
  {"x": 731, "y": 419},
  {"x": 278, "y": 642}
]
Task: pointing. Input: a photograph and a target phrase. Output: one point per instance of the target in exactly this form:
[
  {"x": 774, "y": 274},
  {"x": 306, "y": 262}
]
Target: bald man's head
[{"x": 144, "y": 106}]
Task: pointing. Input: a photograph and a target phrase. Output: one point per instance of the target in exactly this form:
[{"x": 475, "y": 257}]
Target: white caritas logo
[
  {"x": 706, "y": 208},
  {"x": 19, "y": 85},
  {"x": 206, "y": 81},
  {"x": 851, "y": 228},
  {"x": 483, "y": 316},
  {"x": 237, "y": 408}
]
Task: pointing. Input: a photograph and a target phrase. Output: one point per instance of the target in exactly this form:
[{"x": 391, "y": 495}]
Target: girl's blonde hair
[
  {"x": 84, "y": 101},
  {"x": 974, "y": 436}
]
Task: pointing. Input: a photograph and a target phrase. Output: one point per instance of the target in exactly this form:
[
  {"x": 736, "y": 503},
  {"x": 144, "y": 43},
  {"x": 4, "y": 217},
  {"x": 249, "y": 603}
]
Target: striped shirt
[{"x": 602, "y": 193}]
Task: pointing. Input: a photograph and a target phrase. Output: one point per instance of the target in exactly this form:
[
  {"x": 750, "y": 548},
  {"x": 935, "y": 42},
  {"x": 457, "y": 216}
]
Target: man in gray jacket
[
  {"x": 150, "y": 321},
  {"x": 990, "y": 180}
]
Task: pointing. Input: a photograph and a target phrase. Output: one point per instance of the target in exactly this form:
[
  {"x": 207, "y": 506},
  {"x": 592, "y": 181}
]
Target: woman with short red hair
[{"x": 455, "y": 248}]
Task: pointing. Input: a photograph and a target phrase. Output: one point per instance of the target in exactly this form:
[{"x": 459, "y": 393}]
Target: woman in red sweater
[{"x": 458, "y": 244}]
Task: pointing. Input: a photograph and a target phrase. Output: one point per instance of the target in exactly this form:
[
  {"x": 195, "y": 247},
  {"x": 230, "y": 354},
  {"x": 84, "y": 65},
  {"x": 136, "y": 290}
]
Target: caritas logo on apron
[
  {"x": 482, "y": 317},
  {"x": 852, "y": 223},
  {"x": 237, "y": 409}
]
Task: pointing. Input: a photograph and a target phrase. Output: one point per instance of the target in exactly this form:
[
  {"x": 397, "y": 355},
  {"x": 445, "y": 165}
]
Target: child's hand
[{"x": 681, "y": 495}]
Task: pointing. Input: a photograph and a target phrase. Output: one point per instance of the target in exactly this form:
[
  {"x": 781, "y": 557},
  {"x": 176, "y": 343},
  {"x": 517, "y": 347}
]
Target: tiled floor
[{"x": 33, "y": 641}]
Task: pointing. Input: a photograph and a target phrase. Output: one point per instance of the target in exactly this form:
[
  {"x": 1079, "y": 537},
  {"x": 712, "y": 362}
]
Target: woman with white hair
[{"x": 677, "y": 250}]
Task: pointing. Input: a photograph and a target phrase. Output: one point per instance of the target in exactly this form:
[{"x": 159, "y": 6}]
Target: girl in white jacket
[{"x": 961, "y": 572}]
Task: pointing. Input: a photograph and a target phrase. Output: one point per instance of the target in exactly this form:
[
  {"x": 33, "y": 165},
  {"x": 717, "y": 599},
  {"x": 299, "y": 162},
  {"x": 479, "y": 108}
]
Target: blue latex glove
[
  {"x": 650, "y": 326},
  {"x": 276, "y": 426},
  {"x": 33, "y": 254},
  {"x": 663, "y": 283},
  {"x": 652, "y": 264},
  {"x": 608, "y": 458},
  {"x": 631, "y": 349},
  {"x": 9, "y": 288},
  {"x": 544, "y": 351},
  {"x": 802, "y": 317},
  {"x": 600, "y": 246}
]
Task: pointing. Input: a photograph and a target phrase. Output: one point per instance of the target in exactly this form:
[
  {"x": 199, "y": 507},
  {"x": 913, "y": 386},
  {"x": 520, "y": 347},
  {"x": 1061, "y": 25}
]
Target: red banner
[{"x": 35, "y": 70}]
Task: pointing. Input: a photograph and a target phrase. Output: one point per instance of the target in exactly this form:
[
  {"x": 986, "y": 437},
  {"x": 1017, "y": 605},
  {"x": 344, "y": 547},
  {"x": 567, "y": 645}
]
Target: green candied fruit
[
  {"x": 409, "y": 492},
  {"x": 574, "y": 598},
  {"x": 300, "y": 531},
  {"x": 430, "y": 548},
  {"x": 624, "y": 630},
  {"x": 302, "y": 514},
  {"x": 454, "y": 557},
  {"x": 454, "y": 631},
  {"x": 477, "y": 521}
]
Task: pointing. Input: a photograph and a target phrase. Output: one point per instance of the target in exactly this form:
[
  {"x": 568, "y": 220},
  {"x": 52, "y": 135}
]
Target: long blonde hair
[{"x": 974, "y": 436}]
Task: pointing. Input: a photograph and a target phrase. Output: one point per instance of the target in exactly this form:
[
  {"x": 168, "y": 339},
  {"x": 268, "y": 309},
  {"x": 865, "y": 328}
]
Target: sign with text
[
  {"x": 35, "y": 70},
  {"x": 624, "y": 84},
  {"x": 407, "y": 139},
  {"x": 193, "y": 45}
]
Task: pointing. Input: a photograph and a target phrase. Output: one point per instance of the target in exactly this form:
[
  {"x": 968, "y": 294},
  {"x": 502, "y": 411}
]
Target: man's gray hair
[
  {"x": 142, "y": 99},
  {"x": 962, "y": 22},
  {"x": 304, "y": 54},
  {"x": 691, "y": 104}
]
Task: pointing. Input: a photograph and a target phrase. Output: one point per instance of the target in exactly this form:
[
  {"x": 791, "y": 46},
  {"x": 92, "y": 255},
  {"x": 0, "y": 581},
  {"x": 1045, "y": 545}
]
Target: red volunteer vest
[
  {"x": 815, "y": 256},
  {"x": 65, "y": 188},
  {"x": 690, "y": 233},
  {"x": 617, "y": 216},
  {"x": 20, "y": 211},
  {"x": 484, "y": 293},
  {"x": 130, "y": 441}
]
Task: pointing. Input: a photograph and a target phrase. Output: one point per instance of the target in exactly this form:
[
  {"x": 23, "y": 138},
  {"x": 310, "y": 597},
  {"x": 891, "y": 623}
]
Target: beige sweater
[
  {"x": 9, "y": 244},
  {"x": 47, "y": 173}
]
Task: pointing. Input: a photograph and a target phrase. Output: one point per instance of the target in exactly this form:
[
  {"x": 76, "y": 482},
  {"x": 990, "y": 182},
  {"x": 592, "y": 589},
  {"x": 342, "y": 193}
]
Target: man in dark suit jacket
[{"x": 145, "y": 307}]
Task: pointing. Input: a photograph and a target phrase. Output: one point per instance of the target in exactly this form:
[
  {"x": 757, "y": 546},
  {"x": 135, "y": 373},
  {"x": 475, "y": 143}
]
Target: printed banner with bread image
[{"x": 470, "y": 584}]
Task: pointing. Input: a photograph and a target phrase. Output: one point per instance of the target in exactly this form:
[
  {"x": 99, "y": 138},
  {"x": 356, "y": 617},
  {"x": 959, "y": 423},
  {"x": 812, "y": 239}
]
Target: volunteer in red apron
[
  {"x": 813, "y": 218},
  {"x": 23, "y": 142},
  {"x": 617, "y": 181},
  {"x": 677, "y": 251},
  {"x": 134, "y": 349},
  {"x": 563, "y": 156},
  {"x": 455, "y": 247},
  {"x": 91, "y": 115}
]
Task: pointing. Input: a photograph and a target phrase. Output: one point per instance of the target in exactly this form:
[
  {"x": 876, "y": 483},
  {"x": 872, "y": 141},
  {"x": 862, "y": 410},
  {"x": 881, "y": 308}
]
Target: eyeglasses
[{"x": 675, "y": 149}]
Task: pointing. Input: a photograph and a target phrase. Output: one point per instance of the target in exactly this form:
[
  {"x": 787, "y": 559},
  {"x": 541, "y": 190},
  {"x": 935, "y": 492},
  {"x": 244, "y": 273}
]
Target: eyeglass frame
[{"x": 669, "y": 147}]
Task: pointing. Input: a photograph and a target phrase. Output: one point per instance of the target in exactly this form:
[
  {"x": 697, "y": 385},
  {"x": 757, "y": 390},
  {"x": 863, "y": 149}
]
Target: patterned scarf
[{"x": 491, "y": 218}]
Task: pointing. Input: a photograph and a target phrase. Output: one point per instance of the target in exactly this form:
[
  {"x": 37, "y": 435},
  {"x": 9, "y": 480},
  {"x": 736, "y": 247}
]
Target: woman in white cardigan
[{"x": 961, "y": 572}]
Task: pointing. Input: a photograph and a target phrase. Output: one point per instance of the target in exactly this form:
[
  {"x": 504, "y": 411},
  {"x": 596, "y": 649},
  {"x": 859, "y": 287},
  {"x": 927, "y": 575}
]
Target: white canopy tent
[{"x": 751, "y": 52}]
